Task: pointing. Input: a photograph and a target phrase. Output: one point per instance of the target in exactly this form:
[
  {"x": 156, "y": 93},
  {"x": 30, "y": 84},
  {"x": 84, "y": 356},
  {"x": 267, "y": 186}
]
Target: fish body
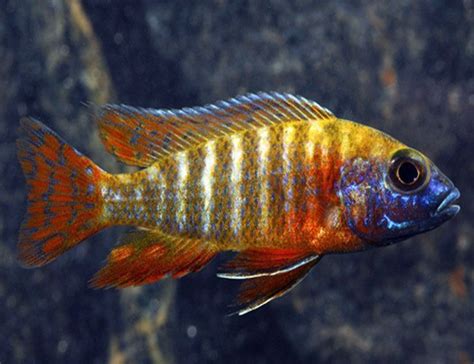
[
  {"x": 272, "y": 187},
  {"x": 275, "y": 177}
]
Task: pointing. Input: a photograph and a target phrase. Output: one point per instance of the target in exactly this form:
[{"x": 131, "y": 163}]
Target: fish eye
[{"x": 407, "y": 172}]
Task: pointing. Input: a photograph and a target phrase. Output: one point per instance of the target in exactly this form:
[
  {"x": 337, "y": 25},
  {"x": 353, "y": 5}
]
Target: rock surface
[{"x": 404, "y": 67}]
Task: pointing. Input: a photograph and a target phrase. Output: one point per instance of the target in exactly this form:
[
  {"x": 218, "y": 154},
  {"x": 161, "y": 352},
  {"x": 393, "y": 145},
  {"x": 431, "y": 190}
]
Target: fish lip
[{"x": 446, "y": 207}]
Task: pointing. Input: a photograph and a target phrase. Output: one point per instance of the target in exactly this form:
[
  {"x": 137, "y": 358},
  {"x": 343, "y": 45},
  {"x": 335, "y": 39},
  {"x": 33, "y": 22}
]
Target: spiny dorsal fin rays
[{"x": 139, "y": 136}]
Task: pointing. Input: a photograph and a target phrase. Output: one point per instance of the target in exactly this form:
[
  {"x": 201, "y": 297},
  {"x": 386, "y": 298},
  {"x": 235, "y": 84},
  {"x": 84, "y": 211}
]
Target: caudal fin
[{"x": 64, "y": 201}]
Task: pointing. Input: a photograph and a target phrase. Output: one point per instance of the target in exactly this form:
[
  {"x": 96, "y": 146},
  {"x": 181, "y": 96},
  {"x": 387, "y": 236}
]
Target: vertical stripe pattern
[
  {"x": 160, "y": 206},
  {"x": 252, "y": 187},
  {"x": 313, "y": 129},
  {"x": 182, "y": 187},
  {"x": 263, "y": 180},
  {"x": 243, "y": 188},
  {"x": 288, "y": 161},
  {"x": 207, "y": 186},
  {"x": 235, "y": 183}
]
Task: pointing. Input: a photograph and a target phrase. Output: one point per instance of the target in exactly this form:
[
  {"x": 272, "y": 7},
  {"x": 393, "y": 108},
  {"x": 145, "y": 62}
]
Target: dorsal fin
[{"x": 139, "y": 136}]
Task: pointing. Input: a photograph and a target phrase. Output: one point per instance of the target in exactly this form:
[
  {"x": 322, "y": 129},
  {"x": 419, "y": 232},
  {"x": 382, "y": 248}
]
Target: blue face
[{"x": 389, "y": 201}]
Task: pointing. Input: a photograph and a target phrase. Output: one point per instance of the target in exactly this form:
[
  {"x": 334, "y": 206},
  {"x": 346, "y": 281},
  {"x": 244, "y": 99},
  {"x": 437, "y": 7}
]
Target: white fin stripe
[{"x": 289, "y": 268}]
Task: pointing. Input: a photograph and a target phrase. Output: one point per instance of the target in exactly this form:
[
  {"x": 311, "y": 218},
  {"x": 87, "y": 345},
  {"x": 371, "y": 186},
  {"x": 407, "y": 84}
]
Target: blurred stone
[{"x": 146, "y": 315}]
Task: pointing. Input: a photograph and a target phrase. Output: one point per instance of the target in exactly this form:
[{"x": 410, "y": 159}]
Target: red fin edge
[{"x": 64, "y": 205}]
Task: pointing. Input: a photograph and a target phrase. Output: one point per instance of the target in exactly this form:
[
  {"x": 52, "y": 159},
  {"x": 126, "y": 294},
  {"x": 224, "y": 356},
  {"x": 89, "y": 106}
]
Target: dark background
[{"x": 406, "y": 67}]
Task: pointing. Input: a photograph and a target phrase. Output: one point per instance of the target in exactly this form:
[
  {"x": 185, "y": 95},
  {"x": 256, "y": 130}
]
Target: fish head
[{"x": 387, "y": 200}]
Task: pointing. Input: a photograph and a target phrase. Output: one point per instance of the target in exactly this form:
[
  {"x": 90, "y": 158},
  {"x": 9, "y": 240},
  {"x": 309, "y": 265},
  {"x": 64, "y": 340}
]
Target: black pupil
[{"x": 408, "y": 173}]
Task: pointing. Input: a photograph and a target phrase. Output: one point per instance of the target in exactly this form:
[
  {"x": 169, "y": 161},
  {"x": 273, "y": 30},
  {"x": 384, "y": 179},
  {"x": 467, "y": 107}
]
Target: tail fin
[{"x": 64, "y": 201}]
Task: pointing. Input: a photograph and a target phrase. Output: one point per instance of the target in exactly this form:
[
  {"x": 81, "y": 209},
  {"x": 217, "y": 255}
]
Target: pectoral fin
[
  {"x": 256, "y": 292},
  {"x": 253, "y": 263}
]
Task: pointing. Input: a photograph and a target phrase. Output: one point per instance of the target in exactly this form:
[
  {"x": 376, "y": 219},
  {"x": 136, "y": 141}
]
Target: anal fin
[
  {"x": 146, "y": 256},
  {"x": 256, "y": 292}
]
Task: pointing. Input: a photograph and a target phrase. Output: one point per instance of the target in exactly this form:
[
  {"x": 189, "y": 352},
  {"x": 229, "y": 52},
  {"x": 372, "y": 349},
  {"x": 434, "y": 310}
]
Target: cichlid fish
[{"x": 274, "y": 177}]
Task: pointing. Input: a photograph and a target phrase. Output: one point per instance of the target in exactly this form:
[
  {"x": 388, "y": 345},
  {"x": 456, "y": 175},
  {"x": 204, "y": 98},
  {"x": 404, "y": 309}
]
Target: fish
[{"x": 274, "y": 178}]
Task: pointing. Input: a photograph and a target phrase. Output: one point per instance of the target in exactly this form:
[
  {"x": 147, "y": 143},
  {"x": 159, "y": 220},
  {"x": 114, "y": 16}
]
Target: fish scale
[{"x": 185, "y": 199}]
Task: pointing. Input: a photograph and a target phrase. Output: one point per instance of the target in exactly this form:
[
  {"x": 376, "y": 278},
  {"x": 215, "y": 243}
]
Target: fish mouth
[{"x": 446, "y": 207}]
